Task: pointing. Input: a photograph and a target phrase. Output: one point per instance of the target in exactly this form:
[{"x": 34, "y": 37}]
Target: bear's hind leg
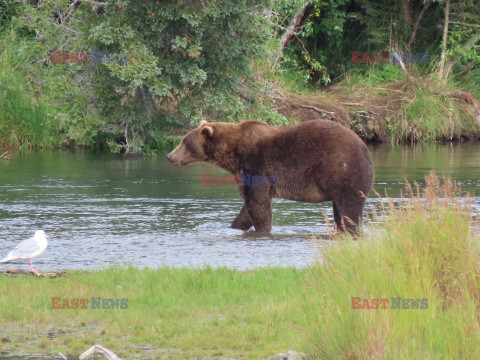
[
  {"x": 348, "y": 212},
  {"x": 242, "y": 221}
]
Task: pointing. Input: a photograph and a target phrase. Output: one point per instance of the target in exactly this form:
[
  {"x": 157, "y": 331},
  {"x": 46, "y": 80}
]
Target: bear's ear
[
  {"x": 207, "y": 131},
  {"x": 203, "y": 122}
]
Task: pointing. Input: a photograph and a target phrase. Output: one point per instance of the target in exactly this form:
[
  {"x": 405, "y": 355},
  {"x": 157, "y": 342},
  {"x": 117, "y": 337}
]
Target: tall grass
[
  {"x": 430, "y": 117},
  {"x": 24, "y": 121},
  {"x": 424, "y": 249}
]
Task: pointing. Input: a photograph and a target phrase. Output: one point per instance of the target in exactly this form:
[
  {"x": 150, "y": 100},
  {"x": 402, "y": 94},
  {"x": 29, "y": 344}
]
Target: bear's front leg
[
  {"x": 242, "y": 221},
  {"x": 258, "y": 205}
]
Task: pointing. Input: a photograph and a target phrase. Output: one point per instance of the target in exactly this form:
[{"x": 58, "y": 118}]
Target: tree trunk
[
  {"x": 290, "y": 30},
  {"x": 441, "y": 67},
  {"x": 416, "y": 25}
]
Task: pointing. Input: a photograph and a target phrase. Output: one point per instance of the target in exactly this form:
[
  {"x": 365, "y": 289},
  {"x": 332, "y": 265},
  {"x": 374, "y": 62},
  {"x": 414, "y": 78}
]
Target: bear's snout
[{"x": 172, "y": 161}]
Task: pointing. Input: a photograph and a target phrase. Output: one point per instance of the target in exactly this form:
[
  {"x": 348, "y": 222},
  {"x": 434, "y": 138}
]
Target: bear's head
[{"x": 201, "y": 144}]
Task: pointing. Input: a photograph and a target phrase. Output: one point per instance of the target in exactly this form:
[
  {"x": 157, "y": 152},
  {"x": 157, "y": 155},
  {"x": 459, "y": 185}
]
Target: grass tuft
[{"x": 424, "y": 248}]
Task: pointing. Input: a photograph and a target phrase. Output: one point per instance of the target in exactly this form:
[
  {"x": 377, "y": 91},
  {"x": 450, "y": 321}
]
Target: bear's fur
[{"x": 315, "y": 161}]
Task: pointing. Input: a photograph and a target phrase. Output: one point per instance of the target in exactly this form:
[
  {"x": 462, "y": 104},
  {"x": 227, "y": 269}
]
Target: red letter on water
[
  {"x": 205, "y": 178},
  {"x": 216, "y": 181},
  {"x": 225, "y": 180},
  {"x": 234, "y": 180}
]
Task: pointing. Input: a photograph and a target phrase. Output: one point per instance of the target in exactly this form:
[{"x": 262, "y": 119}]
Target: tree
[
  {"x": 461, "y": 37},
  {"x": 187, "y": 54}
]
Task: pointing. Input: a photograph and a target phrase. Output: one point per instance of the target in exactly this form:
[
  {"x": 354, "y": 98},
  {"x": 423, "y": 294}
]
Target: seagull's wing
[{"x": 24, "y": 250}]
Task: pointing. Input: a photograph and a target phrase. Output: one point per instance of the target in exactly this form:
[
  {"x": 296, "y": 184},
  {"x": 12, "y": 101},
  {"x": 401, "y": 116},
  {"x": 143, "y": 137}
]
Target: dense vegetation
[{"x": 279, "y": 61}]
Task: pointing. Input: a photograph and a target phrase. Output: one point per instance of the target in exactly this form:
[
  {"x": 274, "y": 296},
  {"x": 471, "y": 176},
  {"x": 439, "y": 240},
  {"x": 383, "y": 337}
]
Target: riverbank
[
  {"x": 405, "y": 110},
  {"x": 415, "y": 276},
  {"x": 177, "y": 313}
]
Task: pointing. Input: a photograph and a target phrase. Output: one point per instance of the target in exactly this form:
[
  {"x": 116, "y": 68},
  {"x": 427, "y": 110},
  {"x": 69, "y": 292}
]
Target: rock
[{"x": 289, "y": 355}]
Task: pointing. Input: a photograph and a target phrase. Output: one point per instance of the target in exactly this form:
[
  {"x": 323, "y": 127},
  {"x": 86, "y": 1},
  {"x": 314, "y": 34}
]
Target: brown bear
[{"x": 315, "y": 161}]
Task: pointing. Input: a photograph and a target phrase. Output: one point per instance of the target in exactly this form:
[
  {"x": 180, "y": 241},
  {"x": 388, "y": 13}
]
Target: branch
[
  {"x": 443, "y": 54},
  {"x": 416, "y": 25},
  {"x": 290, "y": 31},
  {"x": 398, "y": 58},
  {"x": 95, "y": 3},
  {"x": 465, "y": 96},
  {"x": 464, "y": 24}
]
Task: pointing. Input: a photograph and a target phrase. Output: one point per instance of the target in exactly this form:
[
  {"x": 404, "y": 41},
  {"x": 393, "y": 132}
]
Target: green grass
[
  {"x": 184, "y": 312},
  {"x": 424, "y": 248},
  {"x": 430, "y": 117},
  {"x": 25, "y": 122}
]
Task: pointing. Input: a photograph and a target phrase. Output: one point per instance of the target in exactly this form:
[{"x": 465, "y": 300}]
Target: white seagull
[{"x": 28, "y": 250}]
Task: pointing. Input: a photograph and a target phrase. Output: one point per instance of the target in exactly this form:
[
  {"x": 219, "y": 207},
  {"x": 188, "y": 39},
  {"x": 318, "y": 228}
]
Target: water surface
[{"x": 101, "y": 210}]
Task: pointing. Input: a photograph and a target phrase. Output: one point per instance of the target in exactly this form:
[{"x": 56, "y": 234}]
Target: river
[{"x": 101, "y": 210}]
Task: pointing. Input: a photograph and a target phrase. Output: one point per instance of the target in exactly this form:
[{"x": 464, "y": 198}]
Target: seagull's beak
[{"x": 47, "y": 236}]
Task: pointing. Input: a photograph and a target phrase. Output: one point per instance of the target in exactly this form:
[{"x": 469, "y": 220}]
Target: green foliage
[
  {"x": 192, "y": 54},
  {"x": 305, "y": 59},
  {"x": 463, "y": 48},
  {"x": 24, "y": 122},
  {"x": 386, "y": 74},
  {"x": 8, "y": 10},
  {"x": 190, "y": 60},
  {"x": 186, "y": 60}
]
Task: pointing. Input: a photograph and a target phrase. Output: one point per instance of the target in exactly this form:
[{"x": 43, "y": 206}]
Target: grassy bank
[
  {"x": 425, "y": 249},
  {"x": 178, "y": 313},
  {"x": 383, "y": 105}
]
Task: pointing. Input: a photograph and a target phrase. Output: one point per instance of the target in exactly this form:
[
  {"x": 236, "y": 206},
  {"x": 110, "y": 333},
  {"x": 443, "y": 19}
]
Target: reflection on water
[{"x": 101, "y": 210}]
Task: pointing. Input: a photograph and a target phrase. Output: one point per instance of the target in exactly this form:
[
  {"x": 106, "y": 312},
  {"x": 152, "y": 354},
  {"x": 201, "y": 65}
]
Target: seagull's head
[{"x": 41, "y": 234}]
